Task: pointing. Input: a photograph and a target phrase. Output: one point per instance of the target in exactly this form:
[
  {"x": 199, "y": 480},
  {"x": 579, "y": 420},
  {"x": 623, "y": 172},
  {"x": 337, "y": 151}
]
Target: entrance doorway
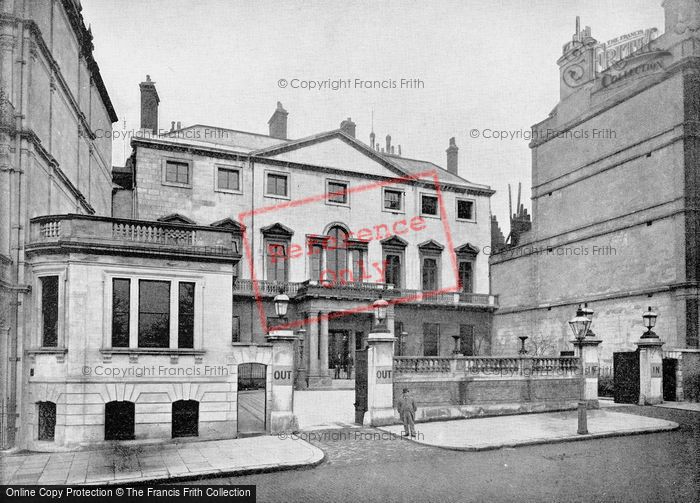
[
  {"x": 252, "y": 379},
  {"x": 626, "y": 377},
  {"x": 119, "y": 420},
  {"x": 340, "y": 354}
]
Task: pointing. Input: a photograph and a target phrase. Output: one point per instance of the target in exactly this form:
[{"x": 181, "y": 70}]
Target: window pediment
[
  {"x": 431, "y": 246},
  {"x": 467, "y": 249},
  {"x": 277, "y": 230},
  {"x": 177, "y": 218},
  {"x": 228, "y": 223},
  {"x": 394, "y": 242}
]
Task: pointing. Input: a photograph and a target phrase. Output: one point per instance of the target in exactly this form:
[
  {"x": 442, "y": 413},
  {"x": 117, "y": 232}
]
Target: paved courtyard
[{"x": 321, "y": 409}]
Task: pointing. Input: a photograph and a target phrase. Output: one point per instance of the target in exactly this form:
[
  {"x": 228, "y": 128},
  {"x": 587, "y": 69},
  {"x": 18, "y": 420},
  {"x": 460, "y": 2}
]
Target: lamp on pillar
[
  {"x": 580, "y": 325},
  {"x": 649, "y": 318},
  {"x": 380, "y": 307},
  {"x": 588, "y": 313},
  {"x": 281, "y": 302}
]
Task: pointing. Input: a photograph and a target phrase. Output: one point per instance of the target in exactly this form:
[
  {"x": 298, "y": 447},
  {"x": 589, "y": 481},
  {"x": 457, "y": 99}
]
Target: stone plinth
[
  {"x": 380, "y": 379},
  {"x": 650, "y": 370},
  {"x": 282, "y": 418}
]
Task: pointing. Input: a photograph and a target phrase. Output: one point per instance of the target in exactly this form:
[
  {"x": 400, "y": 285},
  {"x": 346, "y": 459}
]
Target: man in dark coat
[{"x": 407, "y": 411}]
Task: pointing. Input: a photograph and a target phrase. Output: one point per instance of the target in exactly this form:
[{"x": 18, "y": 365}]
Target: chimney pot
[
  {"x": 179, "y": 125},
  {"x": 452, "y": 157},
  {"x": 172, "y": 126},
  {"x": 388, "y": 143},
  {"x": 149, "y": 105},
  {"x": 348, "y": 127},
  {"x": 278, "y": 122}
]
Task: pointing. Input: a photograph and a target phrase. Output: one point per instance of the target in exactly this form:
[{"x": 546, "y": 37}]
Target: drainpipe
[{"x": 251, "y": 237}]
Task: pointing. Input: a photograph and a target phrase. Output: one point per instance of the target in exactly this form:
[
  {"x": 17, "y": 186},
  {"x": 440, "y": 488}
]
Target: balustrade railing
[
  {"x": 265, "y": 287},
  {"x": 487, "y": 365},
  {"x": 154, "y": 233}
]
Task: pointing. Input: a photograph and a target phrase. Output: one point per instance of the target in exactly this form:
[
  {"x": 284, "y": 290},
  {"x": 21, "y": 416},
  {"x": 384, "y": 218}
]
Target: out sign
[
  {"x": 384, "y": 375},
  {"x": 282, "y": 375}
]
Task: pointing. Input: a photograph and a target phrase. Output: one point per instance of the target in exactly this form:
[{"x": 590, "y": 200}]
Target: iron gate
[
  {"x": 626, "y": 377},
  {"x": 670, "y": 365},
  {"x": 360, "y": 384}
]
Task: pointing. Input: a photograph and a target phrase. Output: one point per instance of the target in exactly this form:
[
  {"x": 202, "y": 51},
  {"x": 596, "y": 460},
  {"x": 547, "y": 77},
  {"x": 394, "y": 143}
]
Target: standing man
[{"x": 407, "y": 411}]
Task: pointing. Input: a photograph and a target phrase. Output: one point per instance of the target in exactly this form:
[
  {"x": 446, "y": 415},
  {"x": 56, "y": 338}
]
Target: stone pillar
[
  {"x": 380, "y": 379},
  {"x": 282, "y": 418},
  {"x": 590, "y": 362},
  {"x": 324, "y": 346},
  {"x": 650, "y": 371}
]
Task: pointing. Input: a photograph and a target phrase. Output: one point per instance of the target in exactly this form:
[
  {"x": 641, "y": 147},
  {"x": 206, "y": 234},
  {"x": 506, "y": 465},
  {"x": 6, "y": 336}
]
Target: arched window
[
  {"x": 47, "y": 420},
  {"x": 119, "y": 420},
  {"x": 185, "y": 418},
  {"x": 337, "y": 256}
]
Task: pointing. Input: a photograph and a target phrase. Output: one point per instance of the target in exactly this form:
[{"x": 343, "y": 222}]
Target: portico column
[
  {"x": 312, "y": 364},
  {"x": 324, "y": 344}
]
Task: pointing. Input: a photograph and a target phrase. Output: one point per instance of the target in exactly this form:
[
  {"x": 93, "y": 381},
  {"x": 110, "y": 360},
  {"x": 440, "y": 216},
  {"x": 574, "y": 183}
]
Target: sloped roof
[{"x": 243, "y": 140}]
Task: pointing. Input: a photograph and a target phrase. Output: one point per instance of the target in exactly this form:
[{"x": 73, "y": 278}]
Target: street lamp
[
  {"x": 522, "y": 338},
  {"x": 281, "y": 302},
  {"x": 588, "y": 313},
  {"x": 649, "y": 318},
  {"x": 380, "y": 307},
  {"x": 580, "y": 325}
]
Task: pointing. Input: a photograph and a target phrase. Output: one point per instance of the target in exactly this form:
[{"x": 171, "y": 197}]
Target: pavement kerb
[
  {"x": 220, "y": 473},
  {"x": 556, "y": 440}
]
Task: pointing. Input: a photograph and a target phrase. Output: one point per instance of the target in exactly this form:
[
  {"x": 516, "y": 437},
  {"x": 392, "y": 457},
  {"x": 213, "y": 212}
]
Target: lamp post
[
  {"x": 522, "y": 338},
  {"x": 649, "y": 318},
  {"x": 580, "y": 325}
]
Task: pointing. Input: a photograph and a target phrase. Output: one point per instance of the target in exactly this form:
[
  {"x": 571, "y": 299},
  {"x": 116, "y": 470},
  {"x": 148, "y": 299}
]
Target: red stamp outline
[{"x": 431, "y": 174}]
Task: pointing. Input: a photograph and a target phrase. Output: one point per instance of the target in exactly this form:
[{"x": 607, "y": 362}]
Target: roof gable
[
  {"x": 177, "y": 218},
  {"x": 334, "y": 149}
]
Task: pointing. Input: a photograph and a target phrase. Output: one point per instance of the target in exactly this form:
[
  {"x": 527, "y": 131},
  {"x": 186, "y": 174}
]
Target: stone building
[
  {"x": 54, "y": 158},
  {"x": 615, "y": 195},
  {"x": 404, "y": 227}
]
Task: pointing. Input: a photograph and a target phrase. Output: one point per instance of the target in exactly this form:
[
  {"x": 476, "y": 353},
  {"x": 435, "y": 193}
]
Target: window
[
  {"x": 185, "y": 414},
  {"x": 429, "y": 205},
  {"x": 430, "y": 273},
  {"x": 49, "y": 311},
  {"x": 465, "y": 210},
  {"x": 316, "y": 258},
  {"x": 336, "y": 270},
  {"x": 177, "y": 172},
  {"x": 465, "y": 277},
  {"x": 358, "y": 265},
  {"x": 400, "y": 342},
  {"x": 392, "y": 271},
  {"x": 393, "y": 200},
  {"x": 47, "y": 420},
  {"x": 228, "y": 179},
  {"x": 431, "y": 336},
  {"x": 337, "y": 192},
  {"x": 466, "y": 340},
  {"x": 276, "y": 262},
  {"x": 119, "y": 420},
  {"x": 277, "y": 185},
  {"x": 121, "y": 305},
  {"x": 236, "y": 329},
  {"x": 154, "y": 314},
  {"x": 185, "y": 315}
]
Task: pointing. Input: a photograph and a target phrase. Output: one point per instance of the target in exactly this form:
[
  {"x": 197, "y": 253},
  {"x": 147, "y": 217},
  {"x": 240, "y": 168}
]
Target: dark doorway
[
  {"x": 252, "y": 379},
  {"x": 339, "y": 353},
  {"x": 185, "y": 418},
  {"x": 670, "y": 366},
  {"x": 119, "y": 420},
  {"x": 360, "y": 385},
  {"x": 626, "y": 377},
  {"x": 47, "y": 420}
]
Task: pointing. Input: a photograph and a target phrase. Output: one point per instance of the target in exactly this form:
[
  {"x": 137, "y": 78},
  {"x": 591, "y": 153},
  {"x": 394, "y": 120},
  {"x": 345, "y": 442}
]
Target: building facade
[
  {"x": 334, "y": 223},
  {"x": 53, "y": 159},
  {"x": 615, "y": 193}
]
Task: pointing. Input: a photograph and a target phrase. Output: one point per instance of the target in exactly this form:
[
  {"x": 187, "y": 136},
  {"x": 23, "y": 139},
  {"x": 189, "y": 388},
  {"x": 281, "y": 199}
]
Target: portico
[{"x": 324, "y": 319}]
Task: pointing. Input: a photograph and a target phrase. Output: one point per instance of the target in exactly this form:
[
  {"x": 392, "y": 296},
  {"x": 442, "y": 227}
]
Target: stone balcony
[
  {"x": 118, "y": 236},
  {"x": 360, "y": 291}
]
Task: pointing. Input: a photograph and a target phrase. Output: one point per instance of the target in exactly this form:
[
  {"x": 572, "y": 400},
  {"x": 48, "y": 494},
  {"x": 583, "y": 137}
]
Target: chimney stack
[
  {"x": 371, "y": 139},
  {"x": 149, "y": 105},
  {"x": 348, "y": 127},
  {"x": 452, "y": 156},
  {"x": 388, "y": 143},
  {"x": 278, "y": 123}
]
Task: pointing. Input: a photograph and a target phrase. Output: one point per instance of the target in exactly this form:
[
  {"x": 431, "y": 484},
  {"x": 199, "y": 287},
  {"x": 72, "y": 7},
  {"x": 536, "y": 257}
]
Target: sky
[{"x": 486, "y": 65}]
